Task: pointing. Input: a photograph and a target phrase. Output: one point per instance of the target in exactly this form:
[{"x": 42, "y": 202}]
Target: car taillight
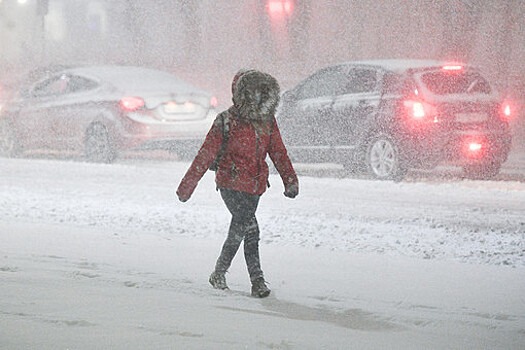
[
  {"x": 214, "y": 102},
  {"x": 506, "y": 110},
  {"x": 474, "y": 147},
  {"x": 453, "y": 67},
  {"x": 131, "y": 104},
  {"x": 418, "y": 110}
]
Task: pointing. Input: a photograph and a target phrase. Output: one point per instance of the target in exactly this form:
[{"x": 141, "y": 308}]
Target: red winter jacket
[
  {"x": 242, "y": 166},
  {"x": 252, "y": 134}
]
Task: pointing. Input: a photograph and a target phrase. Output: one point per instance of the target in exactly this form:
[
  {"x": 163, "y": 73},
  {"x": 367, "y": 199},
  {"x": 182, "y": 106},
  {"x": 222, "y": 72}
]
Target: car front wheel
[
  {"x": 98, "y": 144},
  {"x": 383, "y": 159}
]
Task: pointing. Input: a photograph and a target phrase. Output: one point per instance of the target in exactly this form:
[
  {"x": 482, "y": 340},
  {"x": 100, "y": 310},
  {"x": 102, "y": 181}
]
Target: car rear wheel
[
  {"x": 9, "y": 146},
  {"x": 383, "y": 159},
  {"x": 98, "y": 145},
  {"x": 482, "y": 171}
]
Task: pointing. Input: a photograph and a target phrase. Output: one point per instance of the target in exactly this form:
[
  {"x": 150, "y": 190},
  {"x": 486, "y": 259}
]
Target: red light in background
[
  {"x": 507, "y": 110},
  {"x": 474, "y": 149},
  {"x": 214, "y": 102},
  {"x": 279, "y": 8},
  {"x": 453, "y": 67},
  {"x": 418, "y": 110},
  {"x": 475, "y": 146},
  {"x": 130, "y": 104}
]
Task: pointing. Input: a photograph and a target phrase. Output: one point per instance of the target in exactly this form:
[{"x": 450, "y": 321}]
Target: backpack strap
[{"x": 225, "y": 128}]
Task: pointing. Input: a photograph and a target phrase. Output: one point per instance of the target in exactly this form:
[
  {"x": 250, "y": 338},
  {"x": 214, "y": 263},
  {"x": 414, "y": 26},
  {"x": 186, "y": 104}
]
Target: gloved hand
[{"x": 291, "y": 191}]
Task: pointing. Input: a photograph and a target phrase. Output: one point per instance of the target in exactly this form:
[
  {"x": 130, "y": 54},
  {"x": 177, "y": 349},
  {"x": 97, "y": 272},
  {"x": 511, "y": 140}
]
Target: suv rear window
[{"x": 462, "y": 82}]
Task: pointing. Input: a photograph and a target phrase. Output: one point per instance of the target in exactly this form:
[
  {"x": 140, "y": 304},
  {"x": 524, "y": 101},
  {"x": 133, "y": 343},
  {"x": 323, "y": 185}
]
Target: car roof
[
  {"x": 402, "y": 65},
  {"x": 133, "y": 78}
]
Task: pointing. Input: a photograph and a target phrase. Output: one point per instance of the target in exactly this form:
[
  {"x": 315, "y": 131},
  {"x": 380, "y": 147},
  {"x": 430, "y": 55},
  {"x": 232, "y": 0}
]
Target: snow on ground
[{"x": 104, "y": 256}]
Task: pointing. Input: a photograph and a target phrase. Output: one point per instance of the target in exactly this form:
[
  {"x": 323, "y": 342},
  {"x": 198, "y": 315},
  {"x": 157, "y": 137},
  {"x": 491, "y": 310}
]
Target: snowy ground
[{"x": 104, "y": 257}]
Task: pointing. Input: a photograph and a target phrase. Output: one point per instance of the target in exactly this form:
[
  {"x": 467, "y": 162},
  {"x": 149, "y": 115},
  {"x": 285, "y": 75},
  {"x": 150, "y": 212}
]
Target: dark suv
[{"x": 389, "y": 116}]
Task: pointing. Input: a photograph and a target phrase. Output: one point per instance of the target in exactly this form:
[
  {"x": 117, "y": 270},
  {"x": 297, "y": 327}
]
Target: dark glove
[{"x": 291, "y": 190}]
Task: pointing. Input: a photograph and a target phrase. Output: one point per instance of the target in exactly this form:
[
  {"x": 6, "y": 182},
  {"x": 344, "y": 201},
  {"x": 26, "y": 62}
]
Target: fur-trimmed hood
[{"x": 255, "y": 95}]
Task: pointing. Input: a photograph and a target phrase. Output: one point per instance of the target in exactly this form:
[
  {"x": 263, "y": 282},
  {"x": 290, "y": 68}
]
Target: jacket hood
[{"x": 255, "y": 95}]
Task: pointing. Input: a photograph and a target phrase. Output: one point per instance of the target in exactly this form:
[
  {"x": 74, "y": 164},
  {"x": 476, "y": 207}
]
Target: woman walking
[{"x": 237, "y": 145}]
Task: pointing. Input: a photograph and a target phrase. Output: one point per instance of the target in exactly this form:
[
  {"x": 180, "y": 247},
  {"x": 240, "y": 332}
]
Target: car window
[
  {"x": 53, "y": 86},
  {"x": 63, "y": 84},
  {"x": 78, "y": 84},
  {"x": 455, "y": 82},
  {"x": 392, "y": 83},
  {"x": 328, "y": 82},
  {"x": 361, "y": 80}
]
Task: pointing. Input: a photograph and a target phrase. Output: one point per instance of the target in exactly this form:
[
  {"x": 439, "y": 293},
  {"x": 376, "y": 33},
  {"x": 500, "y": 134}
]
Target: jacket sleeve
[
  {"x": 204, "y": 158},
  {"x": 280, "y": 159}
]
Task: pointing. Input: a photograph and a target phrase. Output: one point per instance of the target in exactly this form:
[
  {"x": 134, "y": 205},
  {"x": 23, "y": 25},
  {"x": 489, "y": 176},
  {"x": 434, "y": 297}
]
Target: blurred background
[{"x": 207, "y": 41}]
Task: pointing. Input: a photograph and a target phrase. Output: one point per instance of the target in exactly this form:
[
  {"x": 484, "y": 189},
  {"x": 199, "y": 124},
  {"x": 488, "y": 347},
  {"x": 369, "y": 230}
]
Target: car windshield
[{"x": 455, "y": 82}]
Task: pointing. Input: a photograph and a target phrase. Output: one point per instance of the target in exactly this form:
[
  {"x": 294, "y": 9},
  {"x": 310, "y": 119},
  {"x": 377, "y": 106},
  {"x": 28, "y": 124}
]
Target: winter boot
[
  {"x": 218, "y": 280},
  {"x": 259, "y": 288}
]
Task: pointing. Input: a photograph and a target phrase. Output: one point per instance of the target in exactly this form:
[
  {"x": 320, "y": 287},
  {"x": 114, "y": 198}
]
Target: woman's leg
[
  {"x": 251, "y": 249},
  {"x": 243, "y": 225}
]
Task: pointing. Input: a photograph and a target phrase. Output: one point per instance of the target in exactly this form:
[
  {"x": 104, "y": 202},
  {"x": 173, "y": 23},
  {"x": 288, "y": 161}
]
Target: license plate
[
  {"x": 178, "y": 108},
  {"x": 471, "y": 117}
]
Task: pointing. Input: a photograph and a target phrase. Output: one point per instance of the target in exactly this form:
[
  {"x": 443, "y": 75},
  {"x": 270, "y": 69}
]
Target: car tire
[
  {"x": 9, "y": 146},
  {"x": 98, "y": 144},
  {"x": 483, "y": 171},
  {"x": 383, "y": 159}
]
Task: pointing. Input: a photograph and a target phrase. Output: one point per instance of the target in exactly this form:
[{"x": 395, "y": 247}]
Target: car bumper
[
  {"x": 474, "y": 148},
  {"x": 463, "y": 148},
  {"x": 164, "y": 135}
]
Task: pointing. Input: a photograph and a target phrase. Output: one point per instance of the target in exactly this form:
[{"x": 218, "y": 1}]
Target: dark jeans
[{"x": 243, "y": 226}]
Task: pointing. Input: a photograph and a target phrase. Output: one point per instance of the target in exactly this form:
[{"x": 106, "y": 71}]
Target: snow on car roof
[
  {"x": 401, "y": 65},
  {"x": 129, "y": 78}
]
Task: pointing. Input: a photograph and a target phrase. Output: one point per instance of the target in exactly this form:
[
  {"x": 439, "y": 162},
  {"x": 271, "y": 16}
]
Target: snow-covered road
[
  {"x": 471, "y": 221},
  {"x": 103, "y": 256}
]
